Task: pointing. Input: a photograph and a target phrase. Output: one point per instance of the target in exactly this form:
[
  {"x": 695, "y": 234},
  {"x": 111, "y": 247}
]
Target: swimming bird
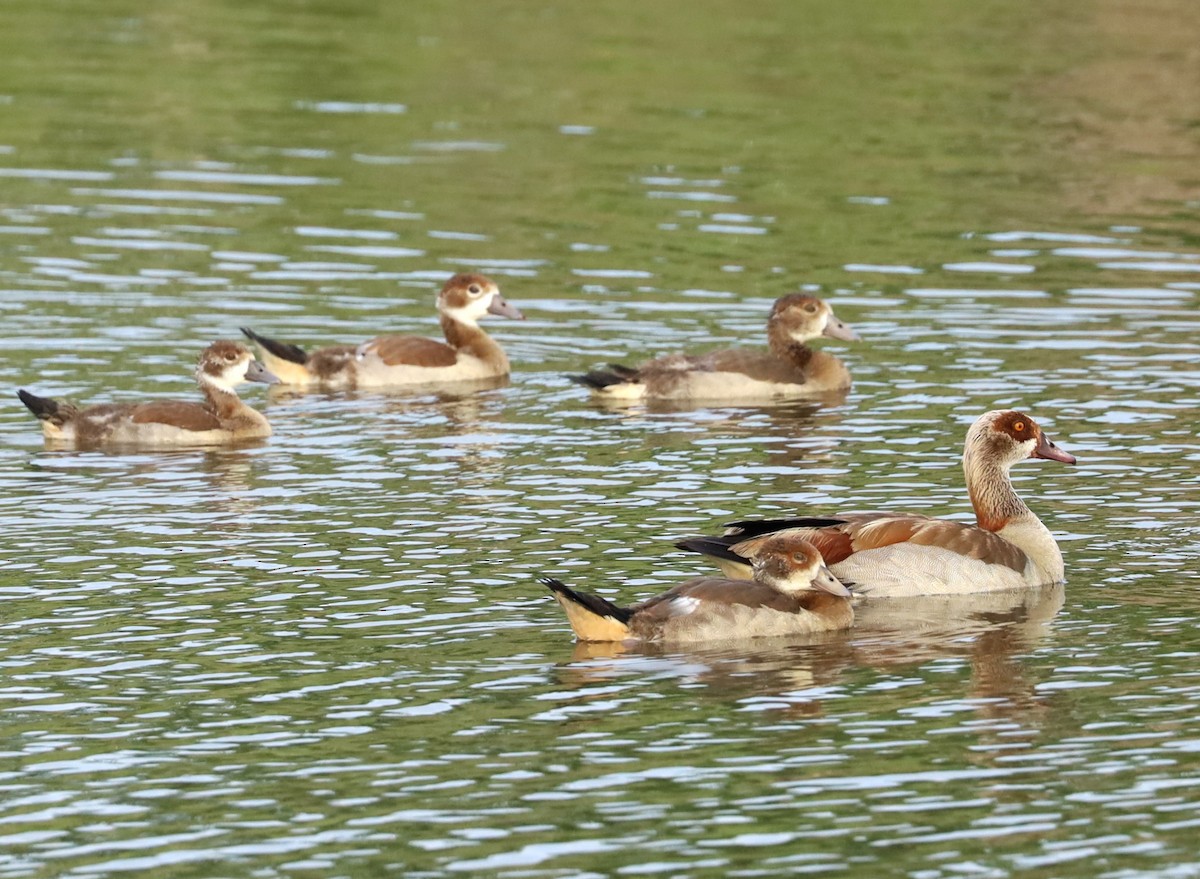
[
  {"x": 791, "y": 593},
  {"x": 900, "y": 554},
  {"x": 467, "y": 354},
  {"x": 788, "y": 369},
  {"x": 221, "y": 418}
]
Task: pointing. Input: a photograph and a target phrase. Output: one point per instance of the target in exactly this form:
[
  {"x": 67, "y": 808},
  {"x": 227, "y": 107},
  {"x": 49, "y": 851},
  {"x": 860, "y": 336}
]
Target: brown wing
[
  {"x": 718, "y": 590},
  {"x": 411, "y": 351},
  {"x": 758, "y": 365},
  {"x": 970, "y": 541},
  {"x": 857, "y": 532},
  {"x": 186, "y": 416}
]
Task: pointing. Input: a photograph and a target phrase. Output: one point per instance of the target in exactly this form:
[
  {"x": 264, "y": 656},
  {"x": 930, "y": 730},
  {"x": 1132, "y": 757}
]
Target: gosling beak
[
  {"x": 826, "y": 582},
  {"x": 502, "y": 308},
  {"x": 836, "y": 328},
  {"x": 256, "y": 372}
]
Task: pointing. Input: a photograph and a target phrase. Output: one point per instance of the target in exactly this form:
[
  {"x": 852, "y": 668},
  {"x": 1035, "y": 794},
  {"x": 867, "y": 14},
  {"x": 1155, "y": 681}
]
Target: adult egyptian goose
[
  {"x": 790, "y": 592},
  {"x": 221, "y": 418},
  {"x": 467, "y": 354},
  {"x": 788, "y": 369},
  {"x": 899, "y": 554}
]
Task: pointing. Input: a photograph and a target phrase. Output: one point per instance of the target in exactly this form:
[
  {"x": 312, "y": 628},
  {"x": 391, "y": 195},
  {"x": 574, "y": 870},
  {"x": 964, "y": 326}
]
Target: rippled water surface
[{"x": 328, "y": 654}]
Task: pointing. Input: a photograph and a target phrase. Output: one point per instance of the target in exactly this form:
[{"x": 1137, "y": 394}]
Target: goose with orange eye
[{"x": 901, "y": 554}]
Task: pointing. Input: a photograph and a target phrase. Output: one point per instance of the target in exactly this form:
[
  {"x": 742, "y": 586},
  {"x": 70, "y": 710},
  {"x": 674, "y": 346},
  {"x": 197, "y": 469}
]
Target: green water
[{"x": 328, "y": 654}]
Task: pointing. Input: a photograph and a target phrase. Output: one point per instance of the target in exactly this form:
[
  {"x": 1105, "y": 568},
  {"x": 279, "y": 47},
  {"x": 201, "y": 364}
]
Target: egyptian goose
[
  {"x": 898, "y": 554},
  {"x": 467, "y": 354},
  {"x": 222, "y": 418},
  {"x": 791, "y": 593},
  {"x": 786, "y": 370}
]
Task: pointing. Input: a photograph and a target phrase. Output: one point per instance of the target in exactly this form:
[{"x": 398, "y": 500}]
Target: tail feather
[
  {"x": 612, "y": 374},
  {"x": 592, "y": 618},
  {"x": 282, "y": 350},
  {"x": 46, "y": 409}
]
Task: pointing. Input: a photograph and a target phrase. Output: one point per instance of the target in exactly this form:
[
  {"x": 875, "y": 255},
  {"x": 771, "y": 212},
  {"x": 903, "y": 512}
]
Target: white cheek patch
[
  {"x": 682, "y": 606},
  {"x": 228, "y": 378},
  {"x": 466, "y": 314},
  {"x": 803, "y": 334}
]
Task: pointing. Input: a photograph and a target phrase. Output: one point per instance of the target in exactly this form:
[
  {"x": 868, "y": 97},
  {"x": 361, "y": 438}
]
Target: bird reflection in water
[{"x": 989, "y": 631}]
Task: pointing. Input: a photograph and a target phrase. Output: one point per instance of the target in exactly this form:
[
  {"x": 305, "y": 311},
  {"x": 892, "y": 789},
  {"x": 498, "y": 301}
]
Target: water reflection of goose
[
  {"x": 468, "y": 353},
  {"x": 221, "y": 419},
  {"x": 899, "y": 554},
  {"x": 787, "y": 370},
  {"x": 989, "y": 632}
]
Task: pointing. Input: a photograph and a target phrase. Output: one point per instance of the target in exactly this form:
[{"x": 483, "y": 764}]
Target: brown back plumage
[{"x": 412, "y": 351}]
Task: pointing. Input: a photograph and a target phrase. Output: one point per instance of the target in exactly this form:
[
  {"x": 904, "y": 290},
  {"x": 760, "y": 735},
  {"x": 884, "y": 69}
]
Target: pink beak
[{"x": 1048, "y": 450}]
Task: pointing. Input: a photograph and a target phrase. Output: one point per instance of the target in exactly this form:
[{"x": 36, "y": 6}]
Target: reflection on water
[
  {"x": 329, "y": 652},
  {"x": 989, "y": 631}
]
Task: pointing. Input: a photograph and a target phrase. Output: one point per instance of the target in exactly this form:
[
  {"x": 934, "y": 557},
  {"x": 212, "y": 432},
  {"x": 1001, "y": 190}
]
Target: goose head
[
  {"x": 1005, "y": 437},
  {"x": 467, "y": 298},
  {"x": 787, "y": 562},
  {"x": 225, "y": 365},
  {"x": 800, "y": 317}
]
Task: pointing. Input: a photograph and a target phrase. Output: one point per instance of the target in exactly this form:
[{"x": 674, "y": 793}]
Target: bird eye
[
  {"x": 474, "y": 289},
  {"x": 800, "y": 558},
  {"x": 811, "y": 308},
  {"x": 1018, "y": 426}
]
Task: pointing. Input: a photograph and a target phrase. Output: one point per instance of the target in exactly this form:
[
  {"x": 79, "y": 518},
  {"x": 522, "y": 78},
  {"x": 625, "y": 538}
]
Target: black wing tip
[
  {"x": 594, "y": 603},
  {"x": 699, "y": 544},
  {"x": 754, "y": 527},
  {"x": 713, "y": 547},
  {"x": 596, "y": 380},
  {"x": 599, "y": 379},
  {"x": 282, "y": 350},
  {"x": 43, "y": 407}
]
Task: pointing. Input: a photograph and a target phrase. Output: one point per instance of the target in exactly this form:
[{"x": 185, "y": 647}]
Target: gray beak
[
  {"x": 1051, "y": 452},
  {"x": 826, "y": 582},
  {"x": 836, "y": 328},
  {"x": 256, "y": 372},
  {"x": 502, "y": 308}
]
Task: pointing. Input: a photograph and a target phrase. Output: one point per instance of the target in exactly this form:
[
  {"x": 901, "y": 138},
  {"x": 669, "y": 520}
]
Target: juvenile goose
[
  {"x": 899, "y": 554},
  {"x": 467, "y": 354},
  {"x": 786, "y": 370},
  {"x": 791, "y": 593},
  {"x": 222, "y": 418}
]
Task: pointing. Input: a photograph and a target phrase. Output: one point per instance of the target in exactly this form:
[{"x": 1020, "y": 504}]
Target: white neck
[{"x": 209, "y": 382}]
